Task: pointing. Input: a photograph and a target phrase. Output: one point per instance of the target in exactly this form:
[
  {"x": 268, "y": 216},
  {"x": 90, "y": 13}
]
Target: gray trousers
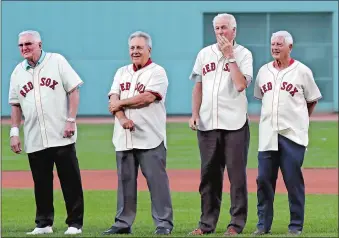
[
  {"x": 220, "y": 148},
  {"x": 153, "y": 166}
]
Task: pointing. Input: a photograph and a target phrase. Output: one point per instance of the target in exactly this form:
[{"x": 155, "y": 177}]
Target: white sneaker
[
  {"x": 39, "y": 231},
  {"x": 73, "y": 231}
]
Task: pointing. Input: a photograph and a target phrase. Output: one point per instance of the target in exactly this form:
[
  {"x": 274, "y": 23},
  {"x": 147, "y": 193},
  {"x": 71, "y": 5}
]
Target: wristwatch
[
  {"x": 70, "y": 119},
  {"x": 232, "y": 60}
]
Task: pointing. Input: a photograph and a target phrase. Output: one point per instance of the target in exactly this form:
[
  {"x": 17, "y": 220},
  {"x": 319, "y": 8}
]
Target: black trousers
[
  {"x": 42, "y": 163},
  {"x": 220, "y": 148}
]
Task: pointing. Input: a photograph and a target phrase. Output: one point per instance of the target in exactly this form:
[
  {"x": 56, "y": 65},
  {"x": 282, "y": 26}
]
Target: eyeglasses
[{"x": 25, "y": 44}]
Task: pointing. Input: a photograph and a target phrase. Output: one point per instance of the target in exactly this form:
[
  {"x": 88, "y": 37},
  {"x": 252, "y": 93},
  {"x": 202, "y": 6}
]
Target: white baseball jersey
[
  {"x": 222, "y": 106},
  {"x": 150, "y": 121},
  {"x": 284, "y": 96},
  {"x": 42, "y": 95}
]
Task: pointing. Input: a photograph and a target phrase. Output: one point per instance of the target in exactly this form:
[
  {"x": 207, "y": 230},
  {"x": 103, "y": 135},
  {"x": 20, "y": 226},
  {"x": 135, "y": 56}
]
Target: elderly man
[
  {"x": 222, "y": 72},
  {"x": 137, "y": 99},
  {"x": 289, "y": 94},
  {"x": 44, "y": 89}
]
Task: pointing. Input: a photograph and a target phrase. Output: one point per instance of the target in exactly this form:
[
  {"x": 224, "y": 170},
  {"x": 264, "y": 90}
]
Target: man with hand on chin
[
  {"x": 137, "y": 100},
  {"x": 221, "y": 73}
]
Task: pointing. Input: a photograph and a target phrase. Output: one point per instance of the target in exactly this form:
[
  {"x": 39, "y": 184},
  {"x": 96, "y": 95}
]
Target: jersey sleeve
[
  {"x": 70, "y": 78},
  {"x": 311, "y": 90},
  {"x": 246, "y": 66},
  {"x": 197, "y": 69},
  {"x": 158, "y": 84},
  {"x": 257, "y": 91},
  {"x": 115, "y": 89},
  {"x": 13, "y": 97}
]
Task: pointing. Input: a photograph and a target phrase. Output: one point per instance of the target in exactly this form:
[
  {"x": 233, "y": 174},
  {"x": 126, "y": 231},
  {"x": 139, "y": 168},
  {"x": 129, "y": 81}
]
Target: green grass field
[
  {"x": 321, "y": 216},
  {"x": 95, "y": 151}
]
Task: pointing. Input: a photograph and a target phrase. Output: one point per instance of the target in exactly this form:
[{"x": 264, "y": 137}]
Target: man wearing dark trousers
[
  {"x": 44, "y": 89},
  {"x": 222, "y": 72},
  {"x": 289, "y": 94}
]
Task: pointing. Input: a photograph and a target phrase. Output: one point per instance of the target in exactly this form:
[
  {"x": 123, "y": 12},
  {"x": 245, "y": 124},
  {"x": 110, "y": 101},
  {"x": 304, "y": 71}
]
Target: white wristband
[
  {"x": 14, "y": 131},
  {"x": 70, "y": 119}
]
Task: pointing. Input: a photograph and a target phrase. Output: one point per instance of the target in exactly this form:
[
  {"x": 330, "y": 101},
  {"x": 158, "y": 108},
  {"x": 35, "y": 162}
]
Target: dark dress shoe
[
  {"x": 199, "y": 232},
  {"x": 117, "y": 230},
  {"x": 162, "y": 231},
  {"x": 231, "y": 231},
  {"x": 260, "y": 232},
  {"x": 294, "y": 232}
]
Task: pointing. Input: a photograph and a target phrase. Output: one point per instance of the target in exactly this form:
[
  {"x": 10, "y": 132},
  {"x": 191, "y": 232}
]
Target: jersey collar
[
  {"x": 289, "y": 64},
  {"x": 147, "y": 63},
  {"x": 27, "y": 66}
]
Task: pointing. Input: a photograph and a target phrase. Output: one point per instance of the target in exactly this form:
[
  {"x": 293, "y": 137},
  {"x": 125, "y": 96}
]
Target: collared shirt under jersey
[
  {"x": 27, "y": 66},
  {"x": 41, "y": 92}
]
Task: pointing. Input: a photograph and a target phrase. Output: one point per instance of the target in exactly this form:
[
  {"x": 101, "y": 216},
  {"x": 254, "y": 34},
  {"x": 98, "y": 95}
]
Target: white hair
[
  {"x": 35, "y": 34},
  {"x": 230, "y": 19},
  {"x": 287, "y": 36},
  {"x": 141, "y": 34}
]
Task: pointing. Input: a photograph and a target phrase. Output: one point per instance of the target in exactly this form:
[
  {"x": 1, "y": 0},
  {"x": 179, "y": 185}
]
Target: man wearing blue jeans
[{"x": 289, "y": 94}]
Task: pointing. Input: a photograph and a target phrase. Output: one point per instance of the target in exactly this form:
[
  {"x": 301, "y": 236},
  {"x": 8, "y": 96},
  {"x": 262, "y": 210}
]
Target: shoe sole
[{"x": 29, "y": 233}]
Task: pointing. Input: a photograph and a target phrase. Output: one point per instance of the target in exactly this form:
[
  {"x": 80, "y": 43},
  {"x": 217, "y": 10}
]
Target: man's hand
[
  {"x": 225, "y": 46},
  {"x": 15, "y": 144},
  {"x": 114, "y": 106},
  {"x": 69, "y": 129},
  {"x": 194, "y": 122},
  {"x": 127, "y": 124}
]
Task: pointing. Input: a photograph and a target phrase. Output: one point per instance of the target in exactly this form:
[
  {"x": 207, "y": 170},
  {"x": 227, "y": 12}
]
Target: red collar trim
[
  {"x": 148, "y": 63},
  {"x": 289, "y": 64}
]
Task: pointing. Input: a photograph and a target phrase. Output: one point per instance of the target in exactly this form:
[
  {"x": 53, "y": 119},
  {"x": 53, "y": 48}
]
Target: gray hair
[
  {"x": 35, "y": 34},
  {"x": 230, "y": 19},
  {"x": 287, "y": 36},
  {"x": 141, "y": 34}
]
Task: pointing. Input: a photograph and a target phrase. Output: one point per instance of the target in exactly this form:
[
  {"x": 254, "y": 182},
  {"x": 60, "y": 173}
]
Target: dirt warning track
[{"x": 317, "y": 181}]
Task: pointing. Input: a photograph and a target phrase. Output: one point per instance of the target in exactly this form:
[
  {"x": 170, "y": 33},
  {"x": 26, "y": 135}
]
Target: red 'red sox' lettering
[
  {"x": 211, "y": 67},
  {"x": 208, "y": 68},
  {"x": 284, "y": 86},
  {"x": 127, "y": 85},
  {"x": 226, "y": 68},
  {"x": 43, "y": 82},
  {"x": 48, "y": 82},
  {"x": 288, "y": 87},
  {"x": 265, "y": 88},
  {"x": 140, "y": 87},
  {"x": 26, "y": 88}
]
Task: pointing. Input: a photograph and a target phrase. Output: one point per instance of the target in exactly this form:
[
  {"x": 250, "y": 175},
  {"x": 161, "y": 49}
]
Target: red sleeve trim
[{"x": 157, "y": 95}]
